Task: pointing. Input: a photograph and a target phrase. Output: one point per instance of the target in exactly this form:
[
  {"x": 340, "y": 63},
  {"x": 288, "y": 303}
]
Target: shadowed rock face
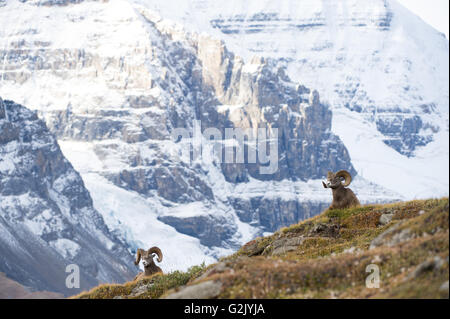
[
  {"x": 267, "y": 98},
  {"x": 47, "y": 220},
  {"x": 2, "y": 109},
  {"x": 211, "y": 230},
  {"x": 310, "y": 44},
  {"x": 273, "y": 214}
]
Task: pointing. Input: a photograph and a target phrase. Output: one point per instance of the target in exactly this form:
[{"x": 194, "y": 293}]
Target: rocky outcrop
[
  {"x": 273, "y": 213},
  {"x": 265, "y": 97},
  {"x": 405, "y": 133},
  {"x": 212, "y": 230},
  {"x": 2, "y": 109},
  {"x": 203, "y": 290}
]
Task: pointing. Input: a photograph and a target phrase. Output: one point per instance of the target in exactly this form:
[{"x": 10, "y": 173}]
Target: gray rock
[
  {"x": 325, "y": 230},
  {"x": 381, "y": 239},
  {"x": 385, "y": 219},
  {"x": 400, "y": 237},
  {"x": 204, "y": 290},
  {"x": 274, "y": 213},
  {"x": 284, "y": 245},
  {"x": 444, "y": 287},
  {"x": 139, "y": 290},
  {"x": 426, "y": 266}
]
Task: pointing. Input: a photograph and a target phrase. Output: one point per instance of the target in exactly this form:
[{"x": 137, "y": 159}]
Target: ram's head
[
  {"x": 335, "y": 180},
  {"x": 148, "y": 255}
]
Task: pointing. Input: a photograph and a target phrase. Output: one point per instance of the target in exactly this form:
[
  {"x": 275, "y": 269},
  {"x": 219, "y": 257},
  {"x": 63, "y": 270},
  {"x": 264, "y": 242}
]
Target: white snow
[
  {"x": 65, "y": 247},
  {"x": 424, "y": 176},
  {"x": 193, "y": 209}
]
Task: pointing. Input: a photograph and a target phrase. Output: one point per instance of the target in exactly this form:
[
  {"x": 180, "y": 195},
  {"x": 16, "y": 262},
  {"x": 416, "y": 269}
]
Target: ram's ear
[{"x": 324, "y": 185}]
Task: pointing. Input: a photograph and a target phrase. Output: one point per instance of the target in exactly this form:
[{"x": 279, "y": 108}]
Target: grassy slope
[{"x": 326, "y": 257}]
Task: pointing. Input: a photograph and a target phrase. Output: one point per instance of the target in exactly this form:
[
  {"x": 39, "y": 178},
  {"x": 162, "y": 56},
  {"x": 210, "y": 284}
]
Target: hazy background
[{"x": 433, "y": 12}]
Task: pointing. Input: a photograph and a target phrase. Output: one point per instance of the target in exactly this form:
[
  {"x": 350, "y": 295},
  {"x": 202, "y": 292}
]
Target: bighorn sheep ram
[
  {"x": 147, "y": 256},
  {"x": 342, "y": 197}
]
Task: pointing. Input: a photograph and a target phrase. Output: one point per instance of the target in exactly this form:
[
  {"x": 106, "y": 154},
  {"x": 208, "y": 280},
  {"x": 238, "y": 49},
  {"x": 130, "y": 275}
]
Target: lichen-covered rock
[
  {"x": 385, "y": 219},
  {"x": 140, "y": 289},
  {"x": 273, "y": 213},
  {"x": 284, "y": 245},
  {"x": 392, "y": 237}
]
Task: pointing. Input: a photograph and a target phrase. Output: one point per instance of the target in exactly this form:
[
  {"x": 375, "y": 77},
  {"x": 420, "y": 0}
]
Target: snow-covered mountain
[
  {"x": 46, "y": 216},
  {"x": 114, "y": 79},
  {"x": 382, "y": 69}
]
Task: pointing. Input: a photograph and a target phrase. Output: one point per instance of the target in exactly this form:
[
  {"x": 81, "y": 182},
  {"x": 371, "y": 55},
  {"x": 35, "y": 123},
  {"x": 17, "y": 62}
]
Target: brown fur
[
  {"x": 342, "y": 197},
  {"x": 147, "y": 256}
]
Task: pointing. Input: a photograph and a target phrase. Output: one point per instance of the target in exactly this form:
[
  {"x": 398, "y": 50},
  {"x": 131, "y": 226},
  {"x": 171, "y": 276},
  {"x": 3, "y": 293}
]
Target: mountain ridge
[{"x": 47, "y": 220}]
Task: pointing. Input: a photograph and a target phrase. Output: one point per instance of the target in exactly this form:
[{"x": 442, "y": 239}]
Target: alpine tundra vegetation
[{"x": 326, "y": 256}]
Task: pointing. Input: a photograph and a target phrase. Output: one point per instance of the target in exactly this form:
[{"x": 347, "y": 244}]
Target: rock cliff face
[
  {"x": 114, "y": 101},
  {"x": 349, "y": 41},
  {"x": 47, "y": 220}
]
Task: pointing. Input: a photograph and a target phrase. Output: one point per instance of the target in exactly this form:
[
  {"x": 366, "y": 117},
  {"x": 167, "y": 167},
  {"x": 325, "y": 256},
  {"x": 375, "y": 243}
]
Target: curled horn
[
  {"x": 346, "y": 175},
  {"x": 138, "y": 256},
  {"x": 157, "y": 251}
]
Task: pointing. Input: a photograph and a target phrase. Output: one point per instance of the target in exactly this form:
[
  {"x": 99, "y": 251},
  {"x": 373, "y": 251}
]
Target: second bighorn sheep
[
  {"x": 147, "y": 256},
  {"x": 342, "y": 197}
]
